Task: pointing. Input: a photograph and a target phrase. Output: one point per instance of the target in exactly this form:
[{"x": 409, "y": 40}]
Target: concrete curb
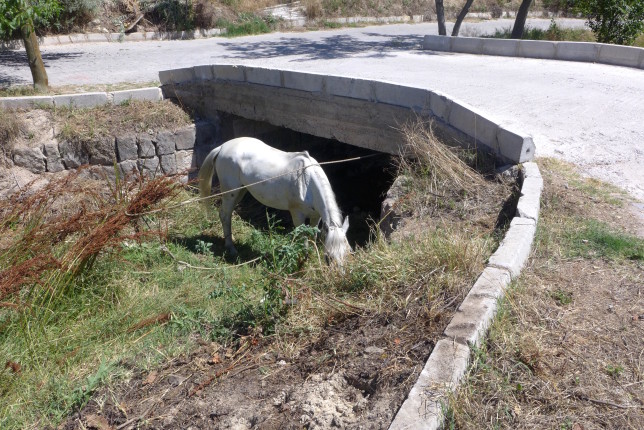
[
  {"x": 447, "y": 364},
  {"x": 478, "y": 127},
  {"x": 117, "y": 37},
  {"x": 82, "y": 100},
  {"x": 615, "y": 55}
]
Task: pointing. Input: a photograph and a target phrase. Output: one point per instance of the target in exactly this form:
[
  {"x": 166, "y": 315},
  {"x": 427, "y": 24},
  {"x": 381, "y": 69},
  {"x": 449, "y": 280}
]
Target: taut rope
[{"x": 212, "y": 196}]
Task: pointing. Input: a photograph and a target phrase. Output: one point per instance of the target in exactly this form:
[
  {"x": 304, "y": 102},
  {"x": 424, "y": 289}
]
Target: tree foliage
[
  {"x": 14, "y": 14},
  {"x": 614, "y": 21}
]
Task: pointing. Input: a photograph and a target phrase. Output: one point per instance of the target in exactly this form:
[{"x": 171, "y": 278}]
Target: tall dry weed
[{"x": 55, "y": 233}]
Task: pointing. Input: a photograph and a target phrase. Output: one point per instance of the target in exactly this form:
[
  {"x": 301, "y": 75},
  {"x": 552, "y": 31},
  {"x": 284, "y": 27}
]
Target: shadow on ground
[
  {"x": 18, "y": 58},
  {"x": 332, "y": 47}
]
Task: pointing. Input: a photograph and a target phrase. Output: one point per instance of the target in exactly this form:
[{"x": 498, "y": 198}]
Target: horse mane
[{"x": 316, "y": 174}]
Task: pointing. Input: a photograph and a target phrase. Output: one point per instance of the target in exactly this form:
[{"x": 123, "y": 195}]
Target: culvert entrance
[{"x": 360, "y": 186}]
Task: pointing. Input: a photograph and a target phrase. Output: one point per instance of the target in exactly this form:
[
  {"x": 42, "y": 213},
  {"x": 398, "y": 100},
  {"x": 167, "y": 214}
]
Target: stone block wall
[{"x": 164, "y": 152}]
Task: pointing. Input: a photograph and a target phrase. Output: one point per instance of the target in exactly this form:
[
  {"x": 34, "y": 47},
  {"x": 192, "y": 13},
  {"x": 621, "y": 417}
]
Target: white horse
[{"x": 291, "y": 181}]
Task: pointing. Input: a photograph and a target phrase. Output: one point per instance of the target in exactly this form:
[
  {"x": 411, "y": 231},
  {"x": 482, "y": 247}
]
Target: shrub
[
  {"x": 614, "y": 21},
  {"x": 75, "y": 14},
  {"x": 172, "y": 15}
]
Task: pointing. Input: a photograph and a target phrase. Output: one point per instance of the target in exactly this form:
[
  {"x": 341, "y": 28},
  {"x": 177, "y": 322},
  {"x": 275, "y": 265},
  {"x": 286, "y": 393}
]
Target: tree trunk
[
  {"x": 519, "y": 22},
  {"x": 41, "y": 82},
  {"x": 461, "y": 17},
  {"x": 440, "y": 17}
]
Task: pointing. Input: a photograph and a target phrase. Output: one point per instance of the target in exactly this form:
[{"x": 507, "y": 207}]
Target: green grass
[
  {"x": 147, "y": 298},
  {"x": 554, "y": 33},
  {"x": 593, "y": 238},
  {"x": 247, "y": 24}
]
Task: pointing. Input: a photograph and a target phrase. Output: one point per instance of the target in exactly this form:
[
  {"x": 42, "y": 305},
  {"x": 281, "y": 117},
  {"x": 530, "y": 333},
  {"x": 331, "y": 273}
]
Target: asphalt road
[{"x": 588, "y": 114}]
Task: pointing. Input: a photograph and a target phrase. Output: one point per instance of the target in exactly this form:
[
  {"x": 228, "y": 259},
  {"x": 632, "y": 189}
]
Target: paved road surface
[{"x": 589, "y": 114}]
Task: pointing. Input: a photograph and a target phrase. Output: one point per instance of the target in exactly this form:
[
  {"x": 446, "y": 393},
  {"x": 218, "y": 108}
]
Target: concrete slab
[
  {"x": 258, "y": 75},
  {"x": 628, "y": 56},
  {"x": 440, "y": 104},
  {"x": 229, "y": 72},
  {"x": 401, "y": 95},
  {"x": 146, "y": 94},
  {"x": 25, "y": 102},
  {"x": 350, "y": 87},
  {"x": 310, "y": 82},
  {"x": 472, "y": 319},
  {"x": 577, "y": 51},
  {"x": 515, "y": 146},
  {"x": 423, "y": 408},
  {"x": 515, "y": 247},
  {"x": 468, "y": 45},
  {"x": 437, "y": 43},
  {"x": 85, "y": 100},
  {"x": 502, "y": 47},
  {"x": 529, "y": 202},
  {"x": 176, "y": 76},
  {"x": 473, "y": 123},
  {"x": 536, "y": 49},
  {"x": 204, "y": 73},
  {"x": 492, "y": 283}
]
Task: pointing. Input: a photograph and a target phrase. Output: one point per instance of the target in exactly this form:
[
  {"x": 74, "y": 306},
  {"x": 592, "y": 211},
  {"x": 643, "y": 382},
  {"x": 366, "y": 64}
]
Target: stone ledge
[
  {"x": 616, "y": 55},
  {"x": 82, "y": 100},
  {"x": 448, "y": 362},
  {"x": 426, "y": 402},
  {"x": 507, "y": 144}
]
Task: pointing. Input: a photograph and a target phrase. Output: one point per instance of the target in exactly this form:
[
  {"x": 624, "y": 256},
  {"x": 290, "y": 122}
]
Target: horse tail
[{"x": 206, "y": 172}]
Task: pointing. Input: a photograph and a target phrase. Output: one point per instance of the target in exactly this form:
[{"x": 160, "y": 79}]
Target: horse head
[{"x": 336, "y": 244}]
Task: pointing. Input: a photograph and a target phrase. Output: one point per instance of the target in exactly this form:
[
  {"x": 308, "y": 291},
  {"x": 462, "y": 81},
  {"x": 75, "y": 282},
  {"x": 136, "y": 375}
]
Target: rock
[
  {"x": 165, "y": 143},
  {"x": 31, "y": 159},
  {"x": 184, "y": 160},
  {"x": 126, "y": 147},
  {"x": 184, "y": 138},
  {"x": 390, "y": 211},
  {"x": 508, "y": 172},
  {"x": 102, "y": 151},
  {"x": 374, "y": 350},
  {"x": 73, "y": 155},
  {"x": 146, "y": 146},
  {"x": 149, "y": 167},
  {"x": 128, "y": 168},
  {"x": 53, "y": 159},
  {"x": 168, "y": 164}
]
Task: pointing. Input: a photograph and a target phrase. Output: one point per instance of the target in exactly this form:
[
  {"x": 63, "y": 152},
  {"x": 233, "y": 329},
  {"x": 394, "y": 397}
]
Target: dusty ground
[{"x": 567, "y": 350}]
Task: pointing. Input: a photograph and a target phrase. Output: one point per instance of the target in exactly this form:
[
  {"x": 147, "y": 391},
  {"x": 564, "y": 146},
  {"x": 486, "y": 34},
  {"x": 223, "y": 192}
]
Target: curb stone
[
  {"x": 614, "y": 55},
  {"x": 83, "y": 100},
  {"x": 449, "y": 360}
]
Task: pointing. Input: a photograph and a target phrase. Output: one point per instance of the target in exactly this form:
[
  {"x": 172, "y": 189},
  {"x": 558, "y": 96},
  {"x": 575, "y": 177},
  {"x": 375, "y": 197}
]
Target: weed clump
[{"x": 10, "y": 128}]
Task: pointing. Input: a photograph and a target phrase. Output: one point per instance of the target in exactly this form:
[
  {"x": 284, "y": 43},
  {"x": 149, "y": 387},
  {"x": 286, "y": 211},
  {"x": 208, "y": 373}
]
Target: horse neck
[{"x": 323, "y": 198}]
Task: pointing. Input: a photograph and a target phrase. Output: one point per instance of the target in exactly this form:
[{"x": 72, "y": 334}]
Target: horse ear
[{"x": 345, "y": 225}]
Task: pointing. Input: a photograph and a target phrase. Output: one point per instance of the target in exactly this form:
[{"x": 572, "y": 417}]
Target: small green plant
[
  {"x": 203, "y": 247},
  {"x": 248, "y": 24},
  {"x": 562, "y": 298},
  {"x": 614, "y": 371}
]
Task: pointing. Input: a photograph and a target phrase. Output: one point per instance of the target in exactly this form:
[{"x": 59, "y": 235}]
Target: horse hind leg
[{"x": 228, "y": 203}]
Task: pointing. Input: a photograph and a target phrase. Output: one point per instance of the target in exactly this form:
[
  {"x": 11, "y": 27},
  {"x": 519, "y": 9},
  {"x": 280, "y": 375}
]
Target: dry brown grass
[
  {"x": 56, "y": 232},
  {"x": 78, "y": 125},
  {"x": 446, "y": 186},
  {"x": 10, "y": 128},
  {"x": 566, "y": 350}
]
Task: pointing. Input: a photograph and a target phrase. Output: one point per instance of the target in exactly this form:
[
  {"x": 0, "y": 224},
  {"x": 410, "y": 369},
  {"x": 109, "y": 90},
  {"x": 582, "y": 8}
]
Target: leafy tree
[
  {"x": 614, "y": 21},
  {"x": 20, "y": 15}
]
